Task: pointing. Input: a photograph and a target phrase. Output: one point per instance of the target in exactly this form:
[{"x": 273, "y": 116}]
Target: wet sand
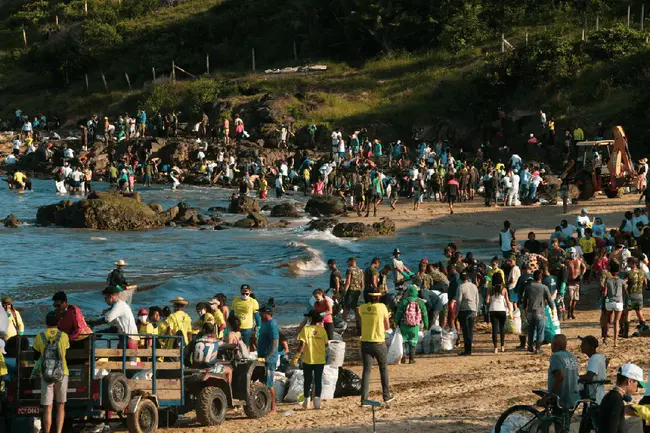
[{"x": 444, "y": 392}]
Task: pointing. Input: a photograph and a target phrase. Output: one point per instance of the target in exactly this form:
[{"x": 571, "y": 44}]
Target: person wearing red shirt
[
  {"x": 71, "y": 320},
  {"x": 452, "y": 192}
]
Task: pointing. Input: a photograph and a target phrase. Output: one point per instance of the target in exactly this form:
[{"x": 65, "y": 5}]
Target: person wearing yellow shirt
[
  {"x": 313, "y": 343},
  {"x": 179, "y": 322},
  {"x": 244, "y": 308},
  {"x": 204, "y": 317},
  {"x": 588, "y": 245},
  {"x": 374, "y": 323},
  {"x": 144, "y": 328},
  {"x": 578, "y": 134},
  {"x": 19, "y": 180},
  {"x": 16, "y": 326},
  {"x": 57, "y": 391},
  {"x": 495, "y": 270},
  {"x": 219, "y": 318}
]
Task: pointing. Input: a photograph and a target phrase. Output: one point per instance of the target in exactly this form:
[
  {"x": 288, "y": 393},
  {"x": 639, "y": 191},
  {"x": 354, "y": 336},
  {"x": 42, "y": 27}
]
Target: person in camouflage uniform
[
  {"x": 636, "y": 281},
  {"x": 421, "y": 278},
  {"x": 353, "y": 289}
]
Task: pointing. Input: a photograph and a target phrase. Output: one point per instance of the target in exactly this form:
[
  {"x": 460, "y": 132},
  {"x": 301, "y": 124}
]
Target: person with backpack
[
  {"x": 411, "y": 313},
  {"x": 50, "y": 348}
]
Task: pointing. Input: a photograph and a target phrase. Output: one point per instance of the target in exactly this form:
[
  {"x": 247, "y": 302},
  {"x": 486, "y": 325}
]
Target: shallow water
[{"x": 286, "y": 264}]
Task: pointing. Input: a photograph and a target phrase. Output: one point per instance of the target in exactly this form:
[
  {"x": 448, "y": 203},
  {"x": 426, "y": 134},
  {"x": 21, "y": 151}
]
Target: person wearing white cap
[
  {"x": 611, "y": 418},
  {"x": 582, "y": 221}
]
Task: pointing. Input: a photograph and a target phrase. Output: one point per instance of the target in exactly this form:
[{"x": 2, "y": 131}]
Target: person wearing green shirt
[
  {"x": 410, "y": 310},
  {"x": 375, "y": 194}
]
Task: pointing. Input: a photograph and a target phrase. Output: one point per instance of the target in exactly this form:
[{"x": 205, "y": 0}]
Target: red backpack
[{"x": 412, "y": 315}]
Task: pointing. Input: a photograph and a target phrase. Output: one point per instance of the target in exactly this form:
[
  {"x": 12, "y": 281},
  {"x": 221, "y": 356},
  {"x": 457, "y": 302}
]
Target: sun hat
[
  {"x": 178, "y": 301},
  {"x": 120, "y": 263},
  {"x": 634, "y": 372}
]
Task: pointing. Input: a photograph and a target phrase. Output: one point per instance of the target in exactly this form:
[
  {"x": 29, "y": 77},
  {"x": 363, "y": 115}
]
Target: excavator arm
[{"x": 620, "y": 161}]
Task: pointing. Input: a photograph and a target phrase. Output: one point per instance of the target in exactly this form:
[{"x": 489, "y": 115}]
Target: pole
[
  {"x": 207, "y": 64},
  {"x": 295, "y": 52},
  {"x": 597, "y": 23},
  {"x": 503, "y": 43},
  {"x": 629, "y": 8},
  {"x": 526, "y": 39},
  {"x": 56, "y": 20},
  {"x": 642, "y": 15},
  {"x": 105, "y": 84},
  {"x": 85, "y": 7},
  {"x": 583, "y": 34},
  {"x": 374, "y": 421},
  {"x": 253, "y": 55},
  {"x": 25, "y": 38},
  {"x": 87, "y": 82},
  {"x": 128, "y": 81},
  {"x": 173, "y": 72},
  {"x": 153, "y": 72}
]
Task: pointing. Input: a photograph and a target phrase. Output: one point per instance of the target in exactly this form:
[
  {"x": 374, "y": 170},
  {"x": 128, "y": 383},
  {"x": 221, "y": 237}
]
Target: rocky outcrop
[
  {"x": 156, "y": 207},
  {"x": 253, "y": 220},
  {"x": 11, "y": 221},
  {"x": 187, "y": 215},
  {"x": 101, "y": 211},
  {"x": 322, "y": 224},
  {"x": 319, "y": 206},
  {"x": 360, "y": 230},
  {"x": 244, "y": 205},
  {"x": 285, "y": 210}
]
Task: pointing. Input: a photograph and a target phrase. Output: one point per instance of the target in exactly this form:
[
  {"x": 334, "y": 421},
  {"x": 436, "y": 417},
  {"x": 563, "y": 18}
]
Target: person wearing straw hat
[
  {"x": 116, "y": 277},
  {"x": 179, "y": 322},
  {"x": 611, "y": 418}
]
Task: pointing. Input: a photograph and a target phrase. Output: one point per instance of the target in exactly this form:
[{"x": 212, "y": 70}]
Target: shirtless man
[{"x": 576, "y": 268}]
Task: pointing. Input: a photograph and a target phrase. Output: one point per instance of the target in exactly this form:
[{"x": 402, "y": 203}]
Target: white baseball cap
[{"x": 634, "y": 372}]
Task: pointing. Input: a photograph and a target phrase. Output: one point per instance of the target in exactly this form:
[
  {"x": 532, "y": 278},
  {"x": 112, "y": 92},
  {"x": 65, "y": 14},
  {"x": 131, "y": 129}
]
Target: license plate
[{"x": 28, "y": 410}]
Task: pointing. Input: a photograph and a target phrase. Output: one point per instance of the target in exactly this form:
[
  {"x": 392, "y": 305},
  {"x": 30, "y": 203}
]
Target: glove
[
  {"x": 295, "y": 360},
  {"x": 261, "y": 360},
  {"x": 512, "y": 317}
]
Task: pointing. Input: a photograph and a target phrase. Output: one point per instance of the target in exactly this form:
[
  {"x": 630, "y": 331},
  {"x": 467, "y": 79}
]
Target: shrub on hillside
[
  {"x": 614, "y": 43},
  {"x": 163, "y": 96}
]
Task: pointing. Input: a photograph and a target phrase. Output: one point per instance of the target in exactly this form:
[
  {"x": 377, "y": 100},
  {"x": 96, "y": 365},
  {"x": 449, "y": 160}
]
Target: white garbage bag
[
  {"x": 427, "y": 342},
  {"x": 448, "y": 339},
  {"x": 335, "y": 353},
  {"x": 396, "y": 348},
  {"x": 330, "y": 377},
  {"x": 280, "y": 385},
  {"x": 296, "y": 387}
]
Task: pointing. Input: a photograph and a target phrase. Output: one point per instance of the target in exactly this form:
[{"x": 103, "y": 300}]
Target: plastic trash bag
[
  {"x": 330, "y": 380},
  {"x": 427, "y": 341},
  {"x": 336, "y": 353},
  {"x": 552, "y": 326},
  {"x": 436, "y": 339},
  {"x": 348, "y": 384},
  {"x": 448, "y": 339},
  {"x": 396, "y": 348},
  {"x": 4, "y": 321},
  {"x": 419, "y": 347},
  {"x": 295, "y": 393},
  {"x": 280, "y": 385},
  {"x": 513, "y": 326}
]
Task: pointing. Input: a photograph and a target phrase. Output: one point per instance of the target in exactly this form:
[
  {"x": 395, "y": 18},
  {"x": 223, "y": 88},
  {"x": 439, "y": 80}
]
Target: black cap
[
  {"x": 265, "y": 309},
  {"x": 245, "y": 286},
  {"x": 52, "y": 319},
  {"x": 396, "y": 251},
  {"x": 331, "y": 262},
  {"x": 314, "y": 316},
  {"x": 590, "y": 340}
]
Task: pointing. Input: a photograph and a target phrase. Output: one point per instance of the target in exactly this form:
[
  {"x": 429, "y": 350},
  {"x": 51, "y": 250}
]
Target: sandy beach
[{"x": 444, "y": 392}]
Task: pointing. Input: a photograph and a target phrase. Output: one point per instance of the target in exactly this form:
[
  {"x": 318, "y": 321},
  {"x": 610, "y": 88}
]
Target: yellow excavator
[{"x": 604, "y": 165}]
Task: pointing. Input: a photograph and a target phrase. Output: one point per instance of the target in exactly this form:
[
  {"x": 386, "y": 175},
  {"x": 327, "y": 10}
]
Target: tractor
[{"x": 600, "y": 165}]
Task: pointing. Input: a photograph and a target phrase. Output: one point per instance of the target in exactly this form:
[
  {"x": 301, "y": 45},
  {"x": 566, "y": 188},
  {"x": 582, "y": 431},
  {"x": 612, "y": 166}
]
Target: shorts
[
  {"x": 613, "y": 306},
  {"x": 270, "y": 372},
  {"x": 564, "y": 194},
  {"x": 351, "y": 298},
  {"x": 574, "y": 291},
  {"x": 636, "y": 301},
  {"x": 589, "y": 258},
  {"x": 451, "y": 308},
  {"x": 451, "y": 199},
  {"x": 54, "y": 392}
]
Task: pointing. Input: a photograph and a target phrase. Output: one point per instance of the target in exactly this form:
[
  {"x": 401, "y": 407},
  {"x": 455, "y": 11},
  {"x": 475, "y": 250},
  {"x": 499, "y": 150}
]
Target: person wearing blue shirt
[
  {"x": 524, "y": 182},
  {"x": 267, "y": 348}
]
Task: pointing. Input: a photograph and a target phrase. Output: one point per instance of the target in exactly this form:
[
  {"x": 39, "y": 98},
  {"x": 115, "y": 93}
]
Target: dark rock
[
  {"x": 266, "y": 208},
  {"x": 322, "y": 224},
  {"x": 101, "y": 211},
  {"x": 284, "y": 210},
  {"x": 220, "y": 227},
  {"x": 282, "y": 224},
  {"x": 253, "y": 220},
  {"x": 156, "y": 207},
  {"x": 244, "y": 204},
  {"x": 385, "y": 226},
  {"x": 205, "y": 220},
  {"x": 325, "y": 206},
  {"x": 187, "y": 215},
  {"x": 171, "y": 224},
  {"x": 198, "y": 179},
  {"x": 353, "y": 230},
  {"x": 170, "y": 213},
  {"x": 11, "y": 221},
  {"x": 218, "y": 209}
]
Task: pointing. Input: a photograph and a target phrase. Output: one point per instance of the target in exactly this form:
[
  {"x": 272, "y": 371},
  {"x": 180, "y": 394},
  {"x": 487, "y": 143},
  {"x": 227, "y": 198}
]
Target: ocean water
[{"x": 286, "y": 264}]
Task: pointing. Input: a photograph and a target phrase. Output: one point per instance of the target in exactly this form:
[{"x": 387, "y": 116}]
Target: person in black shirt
[
  {"x": 532, "y": 245},
  {"x": 335, "y": 278},
  {"x": 116, "y": 277},
  {"x": 611, "y": 418}
]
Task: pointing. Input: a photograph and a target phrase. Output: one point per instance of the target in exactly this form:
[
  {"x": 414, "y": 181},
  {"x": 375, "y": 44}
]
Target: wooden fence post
[
  {"x": 128, "y": 80},
  {"x": 583, "y": 34},
  {"x": 503, "y": 42},
  {"x": 526, "y": 39},
  {"x": 642, "y": 15},
  {"x": 56, "y": 20},
  {"x": 85, "y": 7},
  {"x": 295, "y": 52},
  {"x": 105, "y": 84},
  {"x": 207, "y": 64},
  {"x": 25, "y": 38},
  {"x": 597, "y": 23},
  {"x": 629, "y": 8},
  {"x": 153, "y": 72},
  {"x": 87, "y": 87},
  {"x": 253, "y": 55},
  {"x": 173, "y": 72}
]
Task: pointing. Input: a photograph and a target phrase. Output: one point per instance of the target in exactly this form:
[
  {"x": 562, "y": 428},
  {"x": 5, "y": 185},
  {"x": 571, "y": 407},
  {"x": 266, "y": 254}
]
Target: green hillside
[{"x": 393, "y": 65}]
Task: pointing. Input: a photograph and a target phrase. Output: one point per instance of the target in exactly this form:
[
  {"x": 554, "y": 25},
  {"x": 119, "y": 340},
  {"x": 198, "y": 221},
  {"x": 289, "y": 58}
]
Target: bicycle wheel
[{"x": 519, "y": 419}]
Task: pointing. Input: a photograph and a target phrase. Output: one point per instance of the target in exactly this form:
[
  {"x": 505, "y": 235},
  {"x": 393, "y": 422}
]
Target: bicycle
[{"x": 528, "y": 419}]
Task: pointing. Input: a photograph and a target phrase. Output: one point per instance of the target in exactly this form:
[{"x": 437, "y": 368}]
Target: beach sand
[{"x": 444, "y": 392}]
